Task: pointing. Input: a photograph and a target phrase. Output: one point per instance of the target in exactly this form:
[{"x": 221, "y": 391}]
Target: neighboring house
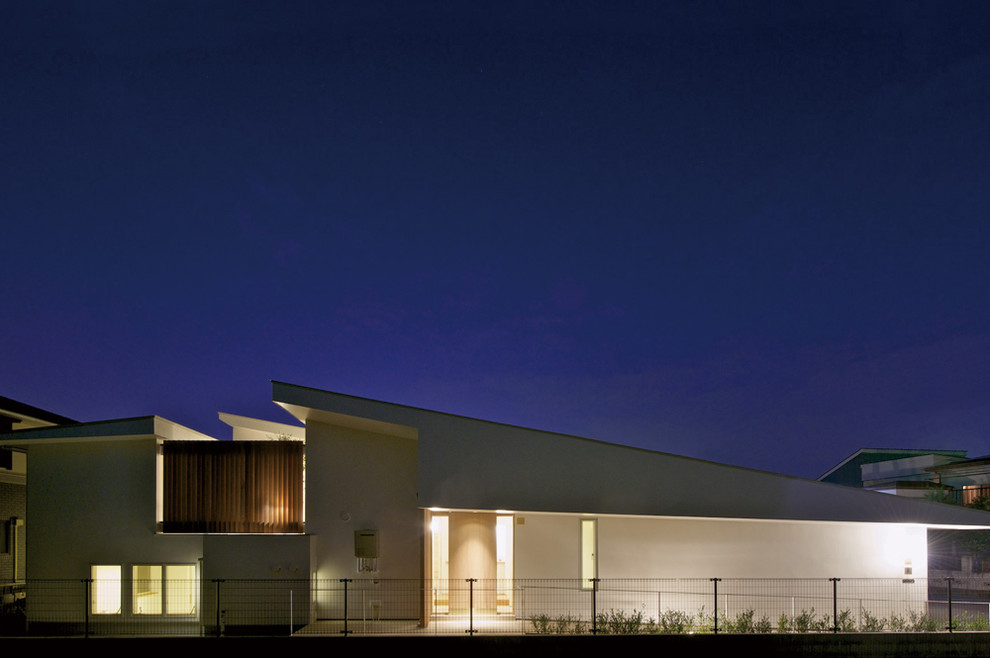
[
  {"x": 968, "y": 479},
  {"x": 942, "y": 475},
  {"x": 151, "y": 510},
  {"x": 898, "y": 471},
  {"x": 16, "y": 415},
  {"x": 938, "y": 474}
]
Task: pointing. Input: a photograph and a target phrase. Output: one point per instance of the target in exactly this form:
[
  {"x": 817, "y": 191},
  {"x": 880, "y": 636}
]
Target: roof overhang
[
  {"x": 266, "y": 427},
  {"x": 310, "y": 404},
  {"x": 125, "y": 429}
]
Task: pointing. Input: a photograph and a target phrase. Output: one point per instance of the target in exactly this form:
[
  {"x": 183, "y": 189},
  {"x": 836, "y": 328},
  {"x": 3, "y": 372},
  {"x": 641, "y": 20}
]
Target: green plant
[
  {"x": 923, "y": 623},
  {"x": 563, "y": 625},
  {"x": 743, "y": 623},
  {"x": 940, "y": 496},
  {"x": 674, "y": 621},
  {"x": 541, "y": 624},
  {"x": 970, "y": 622},
  {"x": 873, "y": 624},
  {"x": 805, "y": 621},
  {"x": 845, "y": 621},
  {"x": 784, "y": 624},
  {"x": 821, "y": 625},
  {"x": 704, "y": 622},
  {"x": 617, "y": 622},
  {"x": 566, "y": 624},
  {"x": 763, "y": 625},
  {"x": 897, "y": 623}
]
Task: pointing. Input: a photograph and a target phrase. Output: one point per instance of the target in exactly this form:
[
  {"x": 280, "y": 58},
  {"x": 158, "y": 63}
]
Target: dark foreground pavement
[{"x": 925, "y": 645}]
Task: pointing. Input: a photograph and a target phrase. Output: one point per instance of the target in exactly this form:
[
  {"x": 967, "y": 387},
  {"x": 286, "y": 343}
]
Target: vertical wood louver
[{"x": 233, "y": 486}]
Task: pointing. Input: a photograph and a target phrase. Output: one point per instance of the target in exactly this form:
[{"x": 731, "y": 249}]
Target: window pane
[
  {"x": 147, "y": 588},
  {"x": 106, "y": 590},
  {"x": 181, "y": 588},
  {"x": 589, "y": 549}
]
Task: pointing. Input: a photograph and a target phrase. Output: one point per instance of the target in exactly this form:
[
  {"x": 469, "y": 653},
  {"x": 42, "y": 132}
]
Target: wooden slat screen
[{"x": 233, "y": 486}]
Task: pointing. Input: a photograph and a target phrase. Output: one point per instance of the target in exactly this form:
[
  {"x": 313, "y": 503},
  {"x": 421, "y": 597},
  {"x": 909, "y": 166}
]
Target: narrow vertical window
[
  {"x": 181, "y": 589},
  {"x": 440, "y": 532},
  {"x": 589, "y": 552},
  {"x": 146, "y": 587},
  {"x": 503, "y": 566},
  {"x": 105, "y": 594}
]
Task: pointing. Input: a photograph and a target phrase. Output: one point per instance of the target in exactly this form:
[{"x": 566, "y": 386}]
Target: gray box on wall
[{"x": 366, "y": 544}]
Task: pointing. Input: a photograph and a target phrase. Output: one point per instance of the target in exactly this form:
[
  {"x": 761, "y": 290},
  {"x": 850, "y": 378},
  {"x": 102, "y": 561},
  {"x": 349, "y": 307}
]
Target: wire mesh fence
[{"x": 532, "y": 606}]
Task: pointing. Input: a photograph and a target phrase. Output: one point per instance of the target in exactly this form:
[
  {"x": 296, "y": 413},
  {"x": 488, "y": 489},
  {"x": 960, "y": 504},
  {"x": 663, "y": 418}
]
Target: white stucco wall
[
  {"x": 94, "y": 503},
  {"x": 357, "y": 480},
  {"x": 266, "y": 579},
  {"x": 656, "y": 564},
  {"x": 548, "y": 546}
]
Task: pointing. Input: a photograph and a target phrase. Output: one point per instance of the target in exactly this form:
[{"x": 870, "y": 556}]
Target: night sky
[{"x": 751, "y": 232}]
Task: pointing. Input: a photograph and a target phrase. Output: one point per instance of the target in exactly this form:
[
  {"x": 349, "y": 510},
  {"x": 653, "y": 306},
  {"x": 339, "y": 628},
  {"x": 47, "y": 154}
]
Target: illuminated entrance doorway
[{"x": 475, "y": 545}]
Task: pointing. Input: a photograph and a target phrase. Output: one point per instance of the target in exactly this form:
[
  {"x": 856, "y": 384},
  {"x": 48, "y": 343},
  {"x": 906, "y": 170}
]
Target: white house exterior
[{"x": 406, "y": 495}]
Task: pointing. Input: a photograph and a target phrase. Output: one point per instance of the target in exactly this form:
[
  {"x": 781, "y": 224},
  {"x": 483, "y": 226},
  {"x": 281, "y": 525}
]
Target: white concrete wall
[
  {"x": 669, "y": 563},
  {"x": 359, "y": 480},
  {"x": 94, "y": 503},
  {"x": 266, "y": 580},
  {"x": 547, "y": 546}
]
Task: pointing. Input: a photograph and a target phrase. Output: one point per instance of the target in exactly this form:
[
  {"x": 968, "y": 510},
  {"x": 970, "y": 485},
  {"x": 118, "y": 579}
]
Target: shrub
[
  {"x": 784, "y": 623},
  {"x": 617, "y": 622},
  {"x": 563, "y": 625},
  {"x": 805, "y": 621},
  {"x": 845, "y": 621},
  {"x": 674, "y": 621},
  {"x": 743, "y": 623},
  {"x": 704, "y": 622},
  {"x": 873, "y": 624},
  {"x": 923, "y": 623},
  {"x": 821, "y": 624},
  {"x": 970, "y": 622},
  {"x": 541, "y": 624},
  {"x": 897, "y": 623}
]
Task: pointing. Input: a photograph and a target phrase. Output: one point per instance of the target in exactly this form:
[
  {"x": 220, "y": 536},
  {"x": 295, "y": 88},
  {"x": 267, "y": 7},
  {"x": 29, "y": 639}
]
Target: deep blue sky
[{"x": 753, "y": 232}]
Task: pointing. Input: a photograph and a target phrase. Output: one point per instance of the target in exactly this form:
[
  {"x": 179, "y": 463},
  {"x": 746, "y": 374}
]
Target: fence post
[
  {"x": 716, "y": 581},
  {"x": 219, "y": 625},
  {"x": 86, "y": 604},
  {"x": 835, "y": 604},
  {"x": 948, "y": 582},
  {"x": 470, "y": 630},
  {"x": 594, "y": 606},
  {"x": 345, "y": 631}
]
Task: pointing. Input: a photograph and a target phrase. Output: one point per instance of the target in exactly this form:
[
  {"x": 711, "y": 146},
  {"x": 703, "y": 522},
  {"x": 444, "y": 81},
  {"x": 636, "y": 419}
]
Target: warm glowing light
[{"x": 106, "y": 593}]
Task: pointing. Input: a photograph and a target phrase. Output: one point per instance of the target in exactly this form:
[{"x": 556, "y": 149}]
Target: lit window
[
  {"x": 973, "y": 492},
  {"x": 105, "y": 593},
  {"x": 180, "y": 588},
  {"x": 503, "y": 566},
  {"x": 589, "y": 552},
  {"x": 146, "y": 584}
]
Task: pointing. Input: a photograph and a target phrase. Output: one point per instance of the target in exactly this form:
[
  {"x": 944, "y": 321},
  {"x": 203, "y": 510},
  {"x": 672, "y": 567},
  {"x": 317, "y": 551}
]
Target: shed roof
[{"x": 466, "y": 463}]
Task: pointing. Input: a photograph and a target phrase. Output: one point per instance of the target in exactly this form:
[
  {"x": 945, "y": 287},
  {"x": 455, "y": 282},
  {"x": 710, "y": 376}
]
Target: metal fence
[{"x": 532, "y": 606}]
